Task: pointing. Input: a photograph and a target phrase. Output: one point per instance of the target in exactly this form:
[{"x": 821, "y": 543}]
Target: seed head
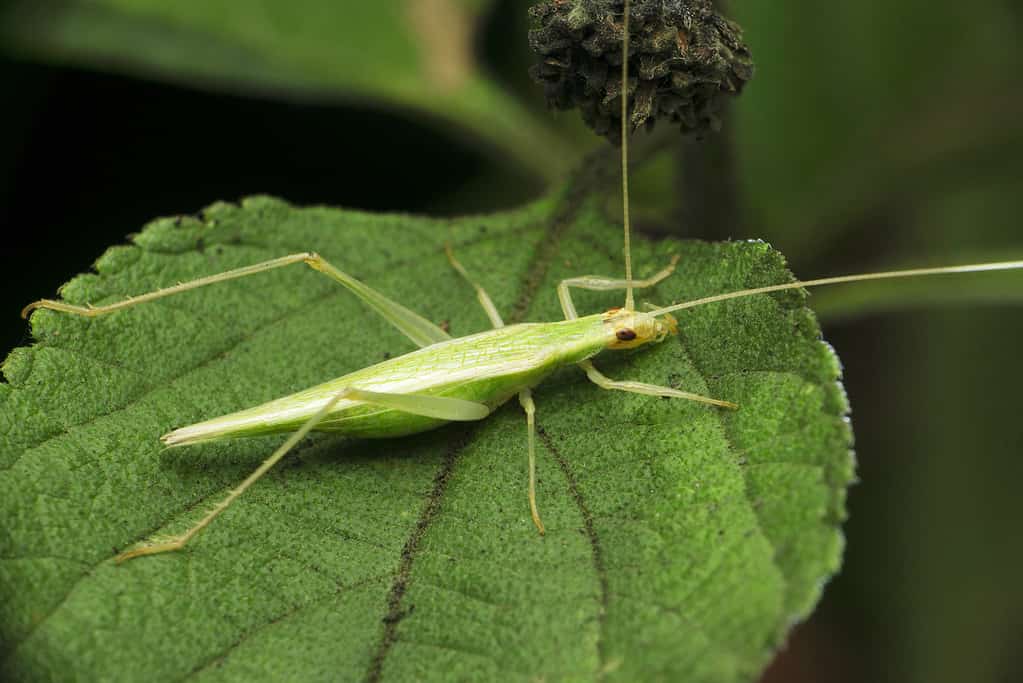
[{"x": 685, "y": 60}]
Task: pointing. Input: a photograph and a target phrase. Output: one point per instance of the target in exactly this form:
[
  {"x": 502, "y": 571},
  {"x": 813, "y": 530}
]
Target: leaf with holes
[{"x": 683, "y": 542}]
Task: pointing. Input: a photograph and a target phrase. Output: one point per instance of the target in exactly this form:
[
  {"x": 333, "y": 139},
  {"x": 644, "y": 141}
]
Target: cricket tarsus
[{"x": 526, "y": 400}]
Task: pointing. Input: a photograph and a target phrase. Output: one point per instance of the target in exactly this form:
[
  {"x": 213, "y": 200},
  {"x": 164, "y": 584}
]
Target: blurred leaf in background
[
  {"x": 879, "y": 134},
  {"x": 415, "y": 54},
  {"x": 875, "y": 134},
  {"x": 873, "y": 107}
]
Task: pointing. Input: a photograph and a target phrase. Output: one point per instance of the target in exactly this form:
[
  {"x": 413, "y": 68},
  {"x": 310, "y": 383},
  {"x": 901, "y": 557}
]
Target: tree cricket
[{"x": 465, "y": 378}]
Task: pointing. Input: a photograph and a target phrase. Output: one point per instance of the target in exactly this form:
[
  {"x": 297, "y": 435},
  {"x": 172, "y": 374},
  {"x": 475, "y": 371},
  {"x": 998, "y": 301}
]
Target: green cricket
[{"x": 457, "y": 379}]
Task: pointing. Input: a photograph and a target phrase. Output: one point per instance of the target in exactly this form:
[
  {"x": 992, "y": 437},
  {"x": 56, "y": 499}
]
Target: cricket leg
[
  {"x": 526, "y": 399},
  {"x": 605, "y": 382},
  {"x": 420, "y": 330},
  {"x": 432, "y": 406},
  {"x": 481, "y": 294},
  {"x": 604, "y": 284},
  {"x": 178, "y": 542},
  {"x": 525, "y": 396}
]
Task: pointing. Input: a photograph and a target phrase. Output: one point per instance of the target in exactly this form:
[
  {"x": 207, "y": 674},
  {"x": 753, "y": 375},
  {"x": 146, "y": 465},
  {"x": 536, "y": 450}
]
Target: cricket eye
[{"x": 625, "y": 334}]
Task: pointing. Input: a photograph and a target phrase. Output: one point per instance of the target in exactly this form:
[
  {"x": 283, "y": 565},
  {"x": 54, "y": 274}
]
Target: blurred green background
[{"x": 876, "y": 133}]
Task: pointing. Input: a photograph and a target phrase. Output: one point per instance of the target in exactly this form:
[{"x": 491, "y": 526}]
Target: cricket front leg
[
  {"x": 605, "y": 382},
  {"x": 421, "y": 331},
  {"x": 605, "y": 284}
]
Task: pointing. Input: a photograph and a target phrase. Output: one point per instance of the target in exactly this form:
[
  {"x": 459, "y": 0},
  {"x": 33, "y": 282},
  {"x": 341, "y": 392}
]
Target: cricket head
[{"x": 635, "y": 328}]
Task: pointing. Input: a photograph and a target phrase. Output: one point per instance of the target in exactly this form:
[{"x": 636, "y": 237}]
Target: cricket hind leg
[
  {"x": 605, "y": 284},
  {"x": 420, "y": 330},
  {"x": 605, "y": 382},
  {"x": 441, "y": 407},
  {"x": 178, "y": 542}
]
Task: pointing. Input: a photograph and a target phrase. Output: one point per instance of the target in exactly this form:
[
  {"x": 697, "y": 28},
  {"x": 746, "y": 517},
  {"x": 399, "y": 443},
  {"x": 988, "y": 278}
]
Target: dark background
[{"x": 884, "y": 132}]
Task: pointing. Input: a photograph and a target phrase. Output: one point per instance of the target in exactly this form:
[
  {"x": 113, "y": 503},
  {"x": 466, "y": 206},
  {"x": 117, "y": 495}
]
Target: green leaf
[
  {"x": 407, "y": 53},
  {"x": 877, "y": 137},
  {"x": 683, "y": 542}
]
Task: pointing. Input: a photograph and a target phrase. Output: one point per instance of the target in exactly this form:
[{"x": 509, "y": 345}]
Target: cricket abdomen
[{"x": 488, "y": 368}]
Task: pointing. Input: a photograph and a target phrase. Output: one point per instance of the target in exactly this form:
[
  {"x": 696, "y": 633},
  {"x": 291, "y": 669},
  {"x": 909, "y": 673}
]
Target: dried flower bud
[{"x": 684, "y": 60}]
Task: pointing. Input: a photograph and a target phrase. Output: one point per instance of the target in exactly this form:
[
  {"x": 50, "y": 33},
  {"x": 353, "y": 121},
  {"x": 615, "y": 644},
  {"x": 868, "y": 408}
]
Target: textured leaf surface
[
  {"x": 406, "y": 53},
  {"x": 682, "y": 542}
]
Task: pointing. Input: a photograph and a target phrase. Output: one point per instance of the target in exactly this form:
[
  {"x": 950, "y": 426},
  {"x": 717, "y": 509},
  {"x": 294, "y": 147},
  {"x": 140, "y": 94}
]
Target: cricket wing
[
  {"x": 466, "y": 378},
  {"x": 262, "y": 420}
]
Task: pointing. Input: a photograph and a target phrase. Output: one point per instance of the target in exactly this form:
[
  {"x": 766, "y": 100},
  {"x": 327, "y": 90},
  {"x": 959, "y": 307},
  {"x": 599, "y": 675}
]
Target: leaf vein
[
  {"x": 542, "y": 259},
  {"x": 596, "y": 549}
]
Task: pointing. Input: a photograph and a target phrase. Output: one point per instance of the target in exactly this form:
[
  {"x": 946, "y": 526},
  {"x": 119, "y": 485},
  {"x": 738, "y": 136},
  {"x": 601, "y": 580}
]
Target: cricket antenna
[
  {"x": 887, "y": 275},
  {"x": 630, "y": 303}
]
